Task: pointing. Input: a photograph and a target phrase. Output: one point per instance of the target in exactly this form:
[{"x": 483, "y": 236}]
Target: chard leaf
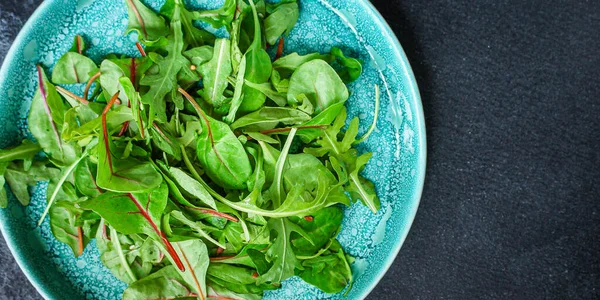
[
  {"x": 46, "y": 119},
  {"x": 73, "y": 68},
  {"x": 64, "y": 219},
  {"x": 195, "y": 258},
  {"x": 149, "y": 25},
  {"x": 85, "y": 179},
  {"x": 79, "y": 45}
]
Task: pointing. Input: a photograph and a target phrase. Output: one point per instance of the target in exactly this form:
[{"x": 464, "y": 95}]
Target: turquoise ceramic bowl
[{"x": 399, "y": 147}]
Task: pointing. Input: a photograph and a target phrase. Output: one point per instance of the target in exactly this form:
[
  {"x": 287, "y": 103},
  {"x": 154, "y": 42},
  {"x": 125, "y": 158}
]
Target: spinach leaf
[
  {"x": 291, "y": 62},
  {"x": 321, "y": 227},
  {"x": 85, "y": 179},
  {"x": 215, "y": 73},
  {"x": 220, "y": 17},
  {"x": 220, "y": 153},
  {"x": 149, "y": 25},
  {"x": 73, "y": 68},
  {"x": 166, "y": 283},
  {"x": 258, "y": 69},
  {"x": 270, "y": 117},
  {"x": 319, "y": 82},
  {"x": 282, "y": 19}
]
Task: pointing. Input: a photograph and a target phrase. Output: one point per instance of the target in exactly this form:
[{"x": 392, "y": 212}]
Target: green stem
[
  {"x": 114, "y": 239},
  {"x": 62, "y": 180},
  {"x": 278, "y": 183},
  {"x": 375, "y": 118}
]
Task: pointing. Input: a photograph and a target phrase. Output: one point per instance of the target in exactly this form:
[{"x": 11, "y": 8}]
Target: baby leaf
[
  {"x": 192, "y": 187},
  {"x": 326, "y": 117},
  {"x": 165, "y": 141},
  {"x": 293, "y": 61},
  {"x": 73, "y": 68},
  {"x": 237, "y": 279},
  {"x": 215, "y": 73},
  {"x": 220, "y": 17},
  {"x": 330, "y": 273},
  {"x": 64, "y": 216},
  {"x": 19, "y": 180},
  {"x": 199, "y": 55},
  {"x": 85, "y": 180},
  {"x": 46, "y": 118},
  {"x": 352, "y": 67},
  {"x": 318, "y": 81},
  {"x": 283, "y": 258},
  {"x": 135, "y": 213},
  {"x": 195, "y": 226},
  {"x": 221, "y": 154},
  {"x": 3, "y": 196},
  {"x": 195, "y": 257},
  {"x": 194, "y": 36},
  {"x": 322, "y": 227},
  {"x": 149, "y": 25},
  {"x": 258, "y": 68},
  {"x": 281, "y": 20},
  {"x": 26, "y": 152},
  {"x": 270, "y": 117},
  {"x": 165, "y": 80},
  {"x": 110, "y": 73},
  {"x": 166, "y": 283},
  {"x": 218, "y": 292},
  {"x": 79, "y": 45}
]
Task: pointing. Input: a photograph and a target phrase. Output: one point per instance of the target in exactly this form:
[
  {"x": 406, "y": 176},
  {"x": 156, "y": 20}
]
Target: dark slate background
[{"x": 511, "y": 207}]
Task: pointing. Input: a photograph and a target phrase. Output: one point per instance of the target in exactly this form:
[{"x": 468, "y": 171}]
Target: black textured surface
[{"x": 511, "y": 207}]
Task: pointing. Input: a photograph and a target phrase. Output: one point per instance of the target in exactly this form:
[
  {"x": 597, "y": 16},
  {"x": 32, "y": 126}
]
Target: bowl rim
[{"x": 389, "y": 35}]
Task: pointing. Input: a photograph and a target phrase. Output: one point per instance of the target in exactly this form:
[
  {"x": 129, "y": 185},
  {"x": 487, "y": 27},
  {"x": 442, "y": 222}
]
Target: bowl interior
[{"x": 398, "y": 144}]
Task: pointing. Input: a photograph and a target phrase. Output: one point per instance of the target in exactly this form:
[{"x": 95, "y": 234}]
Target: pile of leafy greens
[{"x": 205, "y": 167}]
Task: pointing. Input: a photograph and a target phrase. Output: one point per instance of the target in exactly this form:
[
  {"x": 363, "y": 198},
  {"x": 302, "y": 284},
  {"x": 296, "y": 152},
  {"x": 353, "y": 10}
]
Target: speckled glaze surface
[{"x": 399, "y": 147}]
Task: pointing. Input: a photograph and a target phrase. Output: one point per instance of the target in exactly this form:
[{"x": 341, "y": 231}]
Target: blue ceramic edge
[
  {"x": 414, "y": 89},
  {"x": 389, "y": 35},
  {"x": 23, "y": 264}
]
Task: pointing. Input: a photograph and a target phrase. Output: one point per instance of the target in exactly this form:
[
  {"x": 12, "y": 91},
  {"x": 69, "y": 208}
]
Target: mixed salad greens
[{"x": 206, "y": 167}]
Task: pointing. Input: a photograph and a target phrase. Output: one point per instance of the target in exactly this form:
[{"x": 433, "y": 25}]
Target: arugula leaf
[
  {"x": 149, "y": 25},
  {"x": 270, "y": 117},
  {"x": 194, "y": 36},
  {"x": 73, "y": 68},
  {"x": 215, "y": 73},
  {"x": 357, "y": 186},
  {"x": 26, "y": 152},
  {"x": 321, "y": 227},
  {"x": 165, "y": 81},
  {"x": 283, "y": 17},
  {"x": 192, "y": 187},
  {"x": 319, "y": 82}
]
